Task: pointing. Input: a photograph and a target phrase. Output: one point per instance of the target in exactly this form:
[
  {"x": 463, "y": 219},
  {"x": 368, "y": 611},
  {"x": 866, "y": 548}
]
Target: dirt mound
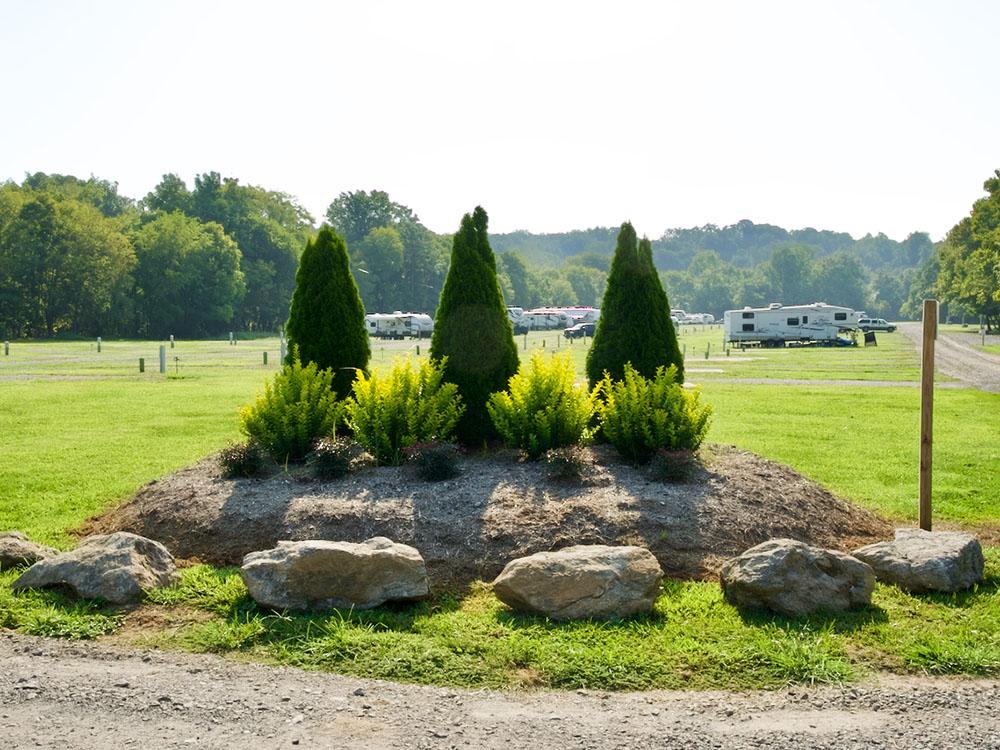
[{"x": 498, "y": 509}]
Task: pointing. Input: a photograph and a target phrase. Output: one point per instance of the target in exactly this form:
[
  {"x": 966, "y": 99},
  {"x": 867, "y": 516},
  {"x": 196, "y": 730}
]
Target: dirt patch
[
  {"x": 498, "y": 509},
  {"x": 150, "y": 619}
]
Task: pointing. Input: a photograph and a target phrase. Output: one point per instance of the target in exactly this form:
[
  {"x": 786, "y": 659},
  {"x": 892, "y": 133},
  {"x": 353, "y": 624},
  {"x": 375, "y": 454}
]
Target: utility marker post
[
  {"x": 284, "y": 350},
  {"x": 163, "y": 359},
  {"x": 98, "y": 344},
  {"x": 171, "y": 341},
  {"x": 927, "y": 410},
  {"x": 6, "y": 348}
]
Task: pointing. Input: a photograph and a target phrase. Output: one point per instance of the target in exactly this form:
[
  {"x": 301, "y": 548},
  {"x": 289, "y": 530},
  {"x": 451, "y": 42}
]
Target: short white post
[
  {"x": 163, "y": 359},
  {"x": 98, "y": 344},
  {"x": 171, "y": 341},
  {"x": 230, "y": 338},
  {"x": 6, "y": 348},
  {"x": 284, "y": 350}
]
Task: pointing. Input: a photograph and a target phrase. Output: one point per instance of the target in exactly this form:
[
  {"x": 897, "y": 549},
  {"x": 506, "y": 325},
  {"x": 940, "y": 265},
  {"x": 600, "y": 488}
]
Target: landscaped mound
[{"x": 498, "y": 509}]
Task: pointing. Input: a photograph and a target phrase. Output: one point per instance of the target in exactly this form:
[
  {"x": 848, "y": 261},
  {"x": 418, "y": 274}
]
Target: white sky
[{"x": 852, "y": 116}]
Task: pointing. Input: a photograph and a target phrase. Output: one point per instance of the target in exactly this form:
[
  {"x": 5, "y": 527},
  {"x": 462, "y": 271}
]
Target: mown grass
[{"x": 693, "y": 639}]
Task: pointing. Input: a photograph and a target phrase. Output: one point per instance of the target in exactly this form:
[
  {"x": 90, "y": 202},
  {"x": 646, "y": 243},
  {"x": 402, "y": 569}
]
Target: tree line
[{"x": 78, "y": 258}]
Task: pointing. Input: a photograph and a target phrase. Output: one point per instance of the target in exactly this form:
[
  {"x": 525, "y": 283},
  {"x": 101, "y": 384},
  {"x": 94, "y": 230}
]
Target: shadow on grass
[
  {"x": 834, "y": 622},
  {"x": 978, "y": 594}
]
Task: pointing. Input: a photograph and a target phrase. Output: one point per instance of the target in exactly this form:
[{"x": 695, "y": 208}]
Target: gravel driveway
[
  {"x": 58, "y": 694},
  {"x": 953, "y": 356}
]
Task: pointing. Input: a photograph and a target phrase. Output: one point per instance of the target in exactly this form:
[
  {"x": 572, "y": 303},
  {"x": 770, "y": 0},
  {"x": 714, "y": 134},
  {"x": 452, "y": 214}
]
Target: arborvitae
[
  {"x": 326, "y": 323},
  {"x": 635, "y": 323},
  {"x": 472, "y": 328}
]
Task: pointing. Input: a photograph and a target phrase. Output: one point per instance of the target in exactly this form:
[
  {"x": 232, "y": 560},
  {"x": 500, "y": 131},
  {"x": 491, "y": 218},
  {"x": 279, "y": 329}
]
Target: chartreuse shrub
[
  {"x": 472, "y": 329},
  {"x": 298, "y": 407},
  {"x": 640, "y": 416},
  {"x": 635, "y": 325},
  {"x": 326, "y": 321},
  {"x": 542, "y": 407},
  {"x": 389, "y": 413}
]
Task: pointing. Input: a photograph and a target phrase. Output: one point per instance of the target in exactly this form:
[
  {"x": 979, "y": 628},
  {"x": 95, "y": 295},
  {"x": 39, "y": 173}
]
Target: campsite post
[{"x": 927, "y": 409}]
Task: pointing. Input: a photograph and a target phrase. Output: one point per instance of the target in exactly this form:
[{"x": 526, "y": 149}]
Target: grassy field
[{"x": 82, "y": 430}]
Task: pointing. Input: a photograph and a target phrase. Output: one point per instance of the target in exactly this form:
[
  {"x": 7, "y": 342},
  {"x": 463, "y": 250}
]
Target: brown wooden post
[{"x": 927, "y": 410}]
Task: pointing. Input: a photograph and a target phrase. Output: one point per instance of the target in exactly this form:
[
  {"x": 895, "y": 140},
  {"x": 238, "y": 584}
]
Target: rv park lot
[{"x": 84, "y": 430}]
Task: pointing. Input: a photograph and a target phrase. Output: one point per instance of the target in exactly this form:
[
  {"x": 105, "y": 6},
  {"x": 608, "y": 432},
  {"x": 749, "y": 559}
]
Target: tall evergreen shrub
[
  {"x": 635, "y": 325},
  {"x": 472, "y": 328},
  {"x": 326, "y": 322}
]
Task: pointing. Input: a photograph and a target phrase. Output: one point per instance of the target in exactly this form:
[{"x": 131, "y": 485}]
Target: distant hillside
[{"x": 742, "y": 244}]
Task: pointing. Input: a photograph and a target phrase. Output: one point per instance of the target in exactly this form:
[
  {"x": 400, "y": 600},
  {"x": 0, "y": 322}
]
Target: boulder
[
  {"x": 117, "y": 567},
  {"x": 921, "y": 561},
  {"x": 322, "y": 574},
  {"x": 587, "y": 581},
  {"x": 17, "y": 551},
  {"x": 793, "y": 578}
]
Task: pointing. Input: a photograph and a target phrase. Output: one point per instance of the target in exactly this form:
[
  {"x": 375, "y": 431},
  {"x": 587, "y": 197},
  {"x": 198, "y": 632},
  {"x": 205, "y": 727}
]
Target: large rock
[
  {"x": 323, "y": 574},
  {"x": 117, "y": 567},
  {"x": 793, "y": 578},
  {"x": 587, "y": 581},
  {"x": 920, "y": 561},
  {"x": 17, "y": 551}
]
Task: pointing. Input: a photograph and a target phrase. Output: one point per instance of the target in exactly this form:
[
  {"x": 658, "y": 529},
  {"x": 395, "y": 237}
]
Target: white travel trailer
[
  {"x": 777, "y": 324},
  {"x": 547, "y": 319},
  {"x": 399, "y": 325}
]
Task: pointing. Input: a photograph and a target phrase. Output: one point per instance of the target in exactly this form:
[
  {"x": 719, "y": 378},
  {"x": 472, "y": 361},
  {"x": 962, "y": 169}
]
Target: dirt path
[
  {"x": 57, "y": 694},
  {"x": 954, "y": 357}
]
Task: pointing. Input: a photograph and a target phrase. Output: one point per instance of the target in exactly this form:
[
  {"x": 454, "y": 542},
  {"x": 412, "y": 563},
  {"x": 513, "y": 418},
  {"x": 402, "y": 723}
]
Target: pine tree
[
  {"x": 635, "y": 323},
  {"x": 326, "y": 322},
  {"x": 472, "y": 328}
]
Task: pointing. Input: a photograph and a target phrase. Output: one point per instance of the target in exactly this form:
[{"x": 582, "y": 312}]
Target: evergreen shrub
[
  {"x": 641, "y": 415},
  {"x": 241, "y": 460},
  {"x": 434, "y": 462},
  {"x": 635, "y": 326},
  {"x": 566, "y": 465},
  {"x": 542, "y": 407},
  {"x": 332, "y": 458},
  {"x": 326, "y": 321},
  {"x": 410, "y": 405},
  {"x": 472, "y": 329},
  {"x": 297, "y": 407}
]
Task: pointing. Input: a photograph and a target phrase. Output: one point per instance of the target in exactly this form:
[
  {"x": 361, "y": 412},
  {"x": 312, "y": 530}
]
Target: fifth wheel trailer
[{"x": 777, "y": 324}]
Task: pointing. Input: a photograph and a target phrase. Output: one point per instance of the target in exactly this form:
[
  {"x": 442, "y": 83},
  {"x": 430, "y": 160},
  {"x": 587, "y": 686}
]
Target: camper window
[
  {"x": 805, "y": 319},
  {"x": 748, "y": 326},
  {"x": 840, "y": 316},
  {"x": 792, "y": 322},
  {"x": 748, "y": 316}
]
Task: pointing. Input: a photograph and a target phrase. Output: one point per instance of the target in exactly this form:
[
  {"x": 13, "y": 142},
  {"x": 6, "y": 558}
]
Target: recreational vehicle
[
  {"x": 777, "y": 324},
  {"x": 399, "y": 325},
  {"x": 547, "y": 319}
]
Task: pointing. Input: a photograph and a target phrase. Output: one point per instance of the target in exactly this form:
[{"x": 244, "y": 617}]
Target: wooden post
[
  {"x": 6, "y": 348},
  {"x": 927, "y": 410},
  {"x": 142, "y": 365},
  {"x": 265, "y": 359},
  {"x": 418, "y": 350}
]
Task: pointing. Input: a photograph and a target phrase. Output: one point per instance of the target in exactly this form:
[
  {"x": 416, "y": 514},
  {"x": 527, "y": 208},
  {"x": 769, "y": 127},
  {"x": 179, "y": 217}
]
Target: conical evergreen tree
[
  {"x": 326, "y": 322},
  {"x": 472, "y": 328},
  {"x": 635, "y": 323}
]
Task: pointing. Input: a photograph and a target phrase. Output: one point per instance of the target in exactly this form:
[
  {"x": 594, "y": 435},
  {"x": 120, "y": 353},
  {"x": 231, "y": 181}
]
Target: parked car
[
  {"x": 875, "y": 324},
  {"x": 580, "y": 330}
]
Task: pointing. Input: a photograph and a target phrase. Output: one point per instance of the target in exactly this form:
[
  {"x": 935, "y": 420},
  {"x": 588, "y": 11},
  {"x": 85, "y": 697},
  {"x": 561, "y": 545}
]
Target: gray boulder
[
  {"x": 587, "y": 581},
  {"x": 793, "y": 578},
  {"x": 117, "y": 567},
  {"x": 323, "y": 574},
  {"x": 920, "y": 561},
  {"x": 17, "y": 551}
]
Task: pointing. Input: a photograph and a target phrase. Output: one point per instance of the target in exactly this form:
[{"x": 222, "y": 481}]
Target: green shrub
[
  {"x": 409, "y": 405},
  {"x": 472, "y": 334},
  {"x": 332, "y": 458},
  {"x": 567, "y": 464},
  {"x": 241, "y": 460},
  {"x": 673, "y": 467},
  {"x": 296, "y": 409},
  {"x": 435, "y": 462},
  {"x": 640, "y": 416},
  {"x": 326, "y": 320},
  {"x": 542, "y": 408},
  {"x": 635, "y": 325}
]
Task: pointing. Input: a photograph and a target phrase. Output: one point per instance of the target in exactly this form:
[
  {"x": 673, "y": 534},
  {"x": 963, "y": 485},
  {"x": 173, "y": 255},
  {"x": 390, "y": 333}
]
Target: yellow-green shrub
[
  {"x": 296, "y": 408},
  {"x": 389, "y": 413},
  {"x": 642, "y": 415},
  {"x": 542, "y": 407}
]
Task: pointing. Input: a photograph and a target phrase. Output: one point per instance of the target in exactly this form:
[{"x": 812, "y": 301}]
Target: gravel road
[
  {"x": 953, "y": 356},
  {"x": 58, "y": 694}
]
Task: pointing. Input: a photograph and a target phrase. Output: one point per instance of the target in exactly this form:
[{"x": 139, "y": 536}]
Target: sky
[{"x": 859, "y": 116}]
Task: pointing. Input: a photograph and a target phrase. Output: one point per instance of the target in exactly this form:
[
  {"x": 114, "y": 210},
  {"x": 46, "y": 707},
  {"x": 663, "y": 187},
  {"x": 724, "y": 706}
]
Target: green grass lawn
[
  {"x": 80, "y": 431},
  {"x": 693, "y": 639}
]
